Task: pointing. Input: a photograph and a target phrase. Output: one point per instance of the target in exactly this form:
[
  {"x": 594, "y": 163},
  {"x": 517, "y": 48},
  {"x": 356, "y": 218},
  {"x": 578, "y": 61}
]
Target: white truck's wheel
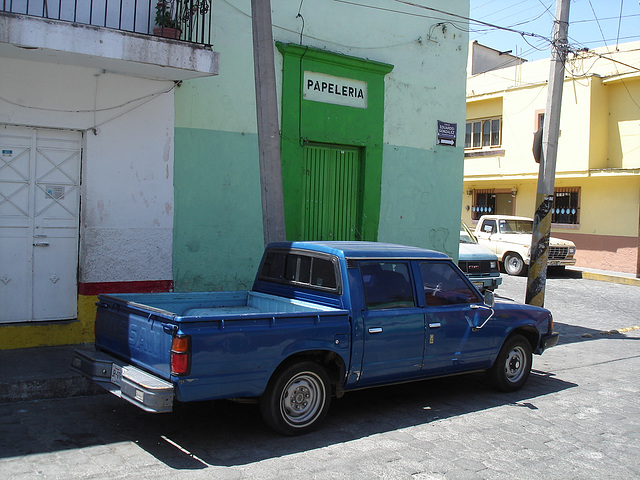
[{"x": 513, "y": 264}]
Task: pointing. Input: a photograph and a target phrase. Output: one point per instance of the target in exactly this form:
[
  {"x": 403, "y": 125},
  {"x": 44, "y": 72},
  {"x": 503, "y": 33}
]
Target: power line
[
  {"x": 448, "y": 17},
  {"x": 619, "y": 22},
  {"x": 480, "y": 22},
  {"x": 598, "y": 23}
]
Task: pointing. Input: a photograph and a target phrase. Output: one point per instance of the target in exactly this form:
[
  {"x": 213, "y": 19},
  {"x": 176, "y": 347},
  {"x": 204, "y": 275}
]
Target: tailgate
[{"x": 136, "y": 334}]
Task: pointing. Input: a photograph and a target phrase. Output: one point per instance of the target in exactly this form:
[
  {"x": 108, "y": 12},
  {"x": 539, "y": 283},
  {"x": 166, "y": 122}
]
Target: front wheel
[
  {"x": 513, "y": 264},
  {"x": 513, "y": 365},
  {"x": 297, "y": 398}
]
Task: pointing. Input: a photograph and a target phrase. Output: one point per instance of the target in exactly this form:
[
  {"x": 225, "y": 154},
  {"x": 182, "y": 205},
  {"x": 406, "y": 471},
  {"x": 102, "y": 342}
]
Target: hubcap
[
  {"x": 515, "y": 364},
  {"x": 302, "y": 399},
  {"x": 513, "y": 264}
]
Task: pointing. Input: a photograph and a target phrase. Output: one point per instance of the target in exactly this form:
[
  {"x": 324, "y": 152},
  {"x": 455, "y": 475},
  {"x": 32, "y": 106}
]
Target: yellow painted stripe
[{"x": 47, "y": 334}]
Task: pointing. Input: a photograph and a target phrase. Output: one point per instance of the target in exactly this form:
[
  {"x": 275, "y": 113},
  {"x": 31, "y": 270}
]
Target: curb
[
  {"x": 40, "y": 373},
  {"x": 45, "y": 389},
  {"x": 611, "y": 278}
]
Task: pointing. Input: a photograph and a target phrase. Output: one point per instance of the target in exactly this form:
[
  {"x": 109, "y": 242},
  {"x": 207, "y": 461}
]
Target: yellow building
[{"x": 597, "y": 186}]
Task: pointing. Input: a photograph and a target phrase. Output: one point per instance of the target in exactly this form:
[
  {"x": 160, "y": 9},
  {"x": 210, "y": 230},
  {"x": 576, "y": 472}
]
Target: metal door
[
  {"x": 393, "y": 324},
  {"x": 39, "y": 209},
  {"x": 331, "y": 192},
  {"x": 460, "y": 333}
]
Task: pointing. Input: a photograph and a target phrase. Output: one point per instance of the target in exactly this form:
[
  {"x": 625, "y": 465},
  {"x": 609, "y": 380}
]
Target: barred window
[
  {"x": 566, "y": 206},
  {"x": 485, "y": 203}
]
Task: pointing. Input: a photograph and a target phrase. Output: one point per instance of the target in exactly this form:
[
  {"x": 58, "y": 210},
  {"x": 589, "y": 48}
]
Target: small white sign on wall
[{"x": 319, "y": 87}]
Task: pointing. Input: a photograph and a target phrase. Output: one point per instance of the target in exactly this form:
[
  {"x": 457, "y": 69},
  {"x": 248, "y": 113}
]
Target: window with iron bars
[
  {"x": 566, "y": 206},
  {"x": 484, "y": 204}
]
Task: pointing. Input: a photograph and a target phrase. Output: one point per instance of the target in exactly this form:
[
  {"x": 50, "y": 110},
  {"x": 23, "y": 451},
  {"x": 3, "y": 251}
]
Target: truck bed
[
  {"x": 211, "y": 304},
  {"x": 237, "y": 338}
]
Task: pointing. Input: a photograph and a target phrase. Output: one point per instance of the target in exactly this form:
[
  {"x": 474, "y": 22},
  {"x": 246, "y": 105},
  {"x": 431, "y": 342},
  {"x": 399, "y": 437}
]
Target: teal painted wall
[
  {"x": 218, "y": 238},
  {"x": 410, "y": 212},
  {"x": 218, "y": 215}
]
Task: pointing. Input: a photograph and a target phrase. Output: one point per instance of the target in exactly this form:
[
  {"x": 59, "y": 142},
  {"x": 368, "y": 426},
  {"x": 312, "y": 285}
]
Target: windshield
[
  {"x": 465, "y": 234},
  {"x": 516, "y": 226}
]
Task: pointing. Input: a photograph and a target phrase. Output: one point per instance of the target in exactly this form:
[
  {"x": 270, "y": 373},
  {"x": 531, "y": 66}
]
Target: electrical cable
[
  {"x": 619, "y": 24},
  {"x": 487, "y": 24},
  {"x": 91, "y": 110},
  {"x": 598, "y": 23}
]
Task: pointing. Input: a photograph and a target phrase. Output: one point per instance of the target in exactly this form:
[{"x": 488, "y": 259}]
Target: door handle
[
  {"x": 375, "y": 330},
  {"x": 41, "y": 244},
  {"x": 435, "y": 325}
]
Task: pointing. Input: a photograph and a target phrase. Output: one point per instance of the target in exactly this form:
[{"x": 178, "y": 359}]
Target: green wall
[
  {"x": 311, "y": 121},
  {"x": 411, "y": 213},
  {"x": 217, "y": 210},
  {"x": 418, "y": 188}
]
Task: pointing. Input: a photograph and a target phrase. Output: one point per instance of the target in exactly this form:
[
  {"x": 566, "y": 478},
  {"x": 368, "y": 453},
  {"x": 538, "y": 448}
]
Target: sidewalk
[{"x": 43, "y": 372}]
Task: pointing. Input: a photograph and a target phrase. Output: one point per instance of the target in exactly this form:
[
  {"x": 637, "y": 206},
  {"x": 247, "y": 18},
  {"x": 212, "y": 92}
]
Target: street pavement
[{"x": 578, "y": 417}]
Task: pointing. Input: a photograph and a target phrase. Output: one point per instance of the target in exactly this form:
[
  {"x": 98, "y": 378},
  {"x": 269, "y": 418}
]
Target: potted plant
[{"x": 167, "y": 25}]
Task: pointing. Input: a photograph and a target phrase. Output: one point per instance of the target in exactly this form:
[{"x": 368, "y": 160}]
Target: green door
[{"x": 331, "y": 193}]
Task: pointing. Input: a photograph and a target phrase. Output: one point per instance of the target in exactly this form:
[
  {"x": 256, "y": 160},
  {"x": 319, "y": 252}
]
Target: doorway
[
  {"x": 39, "y": 220},
  {"x": 332, "y": 193}
]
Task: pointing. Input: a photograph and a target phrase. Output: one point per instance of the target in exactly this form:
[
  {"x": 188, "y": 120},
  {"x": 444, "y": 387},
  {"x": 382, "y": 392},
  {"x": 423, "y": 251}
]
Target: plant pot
[{"x": 167, "y": 32}]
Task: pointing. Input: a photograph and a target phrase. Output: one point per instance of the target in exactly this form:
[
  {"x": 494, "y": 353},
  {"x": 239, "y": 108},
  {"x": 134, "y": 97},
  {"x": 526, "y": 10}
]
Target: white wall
[{"x": 127, "y": 168}]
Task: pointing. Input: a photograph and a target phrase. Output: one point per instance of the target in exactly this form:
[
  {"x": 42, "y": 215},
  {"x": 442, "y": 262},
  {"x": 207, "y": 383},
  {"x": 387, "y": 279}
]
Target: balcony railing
[{"x": 185, "y": 20}]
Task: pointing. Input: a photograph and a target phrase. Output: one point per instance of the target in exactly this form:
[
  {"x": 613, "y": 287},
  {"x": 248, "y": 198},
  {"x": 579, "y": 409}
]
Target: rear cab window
[{"x": 305, "y": 269}]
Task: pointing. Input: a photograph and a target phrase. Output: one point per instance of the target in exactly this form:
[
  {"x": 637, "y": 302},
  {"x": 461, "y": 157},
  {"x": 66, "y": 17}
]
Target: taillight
[
  {"x": 550, "y": 323},
  {"x": 180, "y": 355}
]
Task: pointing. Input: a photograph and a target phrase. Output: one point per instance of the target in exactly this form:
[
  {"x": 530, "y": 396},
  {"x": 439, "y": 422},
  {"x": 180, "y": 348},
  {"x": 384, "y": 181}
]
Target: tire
[
  {"x": 512, "y": 366},
  {"x": 513, "y": 264},
  {"x": 297, "y": 398}
]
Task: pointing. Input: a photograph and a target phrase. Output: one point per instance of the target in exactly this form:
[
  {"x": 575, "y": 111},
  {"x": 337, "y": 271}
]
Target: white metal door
[{"x": 39, "y": 209}]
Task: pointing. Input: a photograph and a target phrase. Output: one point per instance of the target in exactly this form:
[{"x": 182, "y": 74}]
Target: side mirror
[{"x": 489, "y": 298}]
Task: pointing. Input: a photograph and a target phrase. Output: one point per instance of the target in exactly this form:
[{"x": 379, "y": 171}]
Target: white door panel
[{"x": 39, "y": 218}]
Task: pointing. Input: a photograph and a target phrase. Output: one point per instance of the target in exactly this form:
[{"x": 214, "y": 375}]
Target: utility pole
[
  {"x": 268, "y": 128},
  {"x": 546, "y": 177}
]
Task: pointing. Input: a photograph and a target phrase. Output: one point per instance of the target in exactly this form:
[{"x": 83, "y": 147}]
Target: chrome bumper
[{"x": 146, "y": 391}]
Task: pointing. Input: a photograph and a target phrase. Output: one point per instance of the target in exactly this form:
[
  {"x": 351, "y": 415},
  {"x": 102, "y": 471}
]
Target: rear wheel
[
  {"x": 297, "y": 398},
  {"x": 513, "y": 365},
  {"x": 513, "y": 264}
]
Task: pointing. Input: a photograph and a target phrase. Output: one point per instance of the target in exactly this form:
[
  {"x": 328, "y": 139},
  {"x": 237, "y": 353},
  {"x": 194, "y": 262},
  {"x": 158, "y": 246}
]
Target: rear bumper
[{"x": 146, "y": 391}]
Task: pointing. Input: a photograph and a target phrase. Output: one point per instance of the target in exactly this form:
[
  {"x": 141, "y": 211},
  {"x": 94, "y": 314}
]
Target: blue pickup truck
[{"x": 322, "y": 318}]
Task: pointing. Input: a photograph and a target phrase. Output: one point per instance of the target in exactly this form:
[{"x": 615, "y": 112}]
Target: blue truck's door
[
  {"x": 393, "y": 323},
  {"x": 459, "y": 337}
]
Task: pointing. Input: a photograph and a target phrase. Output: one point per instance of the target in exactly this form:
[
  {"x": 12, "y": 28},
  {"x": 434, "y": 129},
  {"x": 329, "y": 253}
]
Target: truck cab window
[
  {"x": 489, "y": 226},
  {"x": 443, "y": 285},
  {"x": 323, "y": 273},
  {"x": 387, "y": 285},
  {"x": 299, "y": 269}
]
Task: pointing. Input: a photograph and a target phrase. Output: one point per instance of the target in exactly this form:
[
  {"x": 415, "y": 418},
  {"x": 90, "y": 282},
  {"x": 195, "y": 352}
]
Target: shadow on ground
[{"x": 227, "y": 434}]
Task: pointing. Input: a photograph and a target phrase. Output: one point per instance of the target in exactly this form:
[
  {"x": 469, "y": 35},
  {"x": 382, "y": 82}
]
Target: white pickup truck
[{"x": 509, "y": 237}]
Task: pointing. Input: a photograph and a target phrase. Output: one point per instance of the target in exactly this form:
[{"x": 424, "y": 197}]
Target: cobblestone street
[{"x": 577, "y": 418}]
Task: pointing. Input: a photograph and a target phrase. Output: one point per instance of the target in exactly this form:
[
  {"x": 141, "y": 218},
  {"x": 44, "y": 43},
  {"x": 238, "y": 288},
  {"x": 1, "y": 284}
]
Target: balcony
[{"x": 114, "y": 35}]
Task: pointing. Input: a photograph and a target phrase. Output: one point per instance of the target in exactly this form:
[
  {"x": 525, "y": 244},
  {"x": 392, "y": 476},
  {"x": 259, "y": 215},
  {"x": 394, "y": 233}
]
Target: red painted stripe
[{"x": 145, "y": 286}]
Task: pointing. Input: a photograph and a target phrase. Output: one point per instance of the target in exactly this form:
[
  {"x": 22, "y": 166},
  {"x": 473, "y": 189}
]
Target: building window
[
  {"x": 566, "y": 206},
  {"x": 484, "y": 203},
  {"x": 483, "y": 133}
]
